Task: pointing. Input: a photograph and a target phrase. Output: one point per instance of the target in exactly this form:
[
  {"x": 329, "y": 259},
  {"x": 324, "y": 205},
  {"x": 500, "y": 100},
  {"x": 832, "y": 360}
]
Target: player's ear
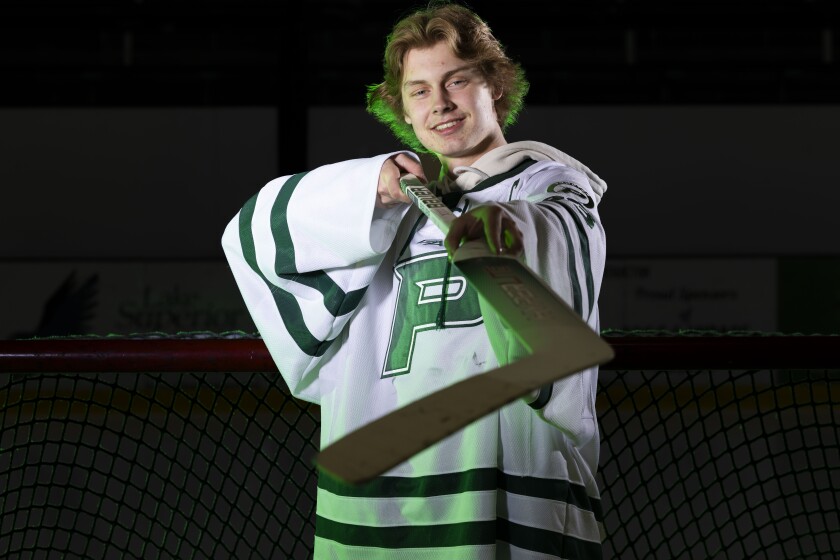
[{"x": 407, "y": 120}]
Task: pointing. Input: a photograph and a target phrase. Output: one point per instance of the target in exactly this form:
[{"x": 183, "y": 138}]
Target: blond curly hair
[{"x": 470, "y": 39}]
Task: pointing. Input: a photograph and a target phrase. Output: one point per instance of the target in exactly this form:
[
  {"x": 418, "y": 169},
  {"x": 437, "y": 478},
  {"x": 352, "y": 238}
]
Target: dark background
[
  {"x": 621, "y": 64},
  {"x": 294, "y": 55},
  {"x": 126, "y": 239}
]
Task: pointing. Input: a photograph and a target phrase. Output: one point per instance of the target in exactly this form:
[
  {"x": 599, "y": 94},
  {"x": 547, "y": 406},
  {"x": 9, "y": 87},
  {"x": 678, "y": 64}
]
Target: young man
[{"x": 354, "y": 295}]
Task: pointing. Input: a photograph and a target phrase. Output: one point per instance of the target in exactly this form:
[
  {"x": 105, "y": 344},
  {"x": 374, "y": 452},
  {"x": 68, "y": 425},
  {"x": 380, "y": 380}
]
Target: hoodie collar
[{"x": 504, "y": 158}]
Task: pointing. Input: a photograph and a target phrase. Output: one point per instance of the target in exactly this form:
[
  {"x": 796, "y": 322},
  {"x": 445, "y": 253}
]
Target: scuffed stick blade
[
  {"x": 533, "y": 312},
  {"x": 384, "y": 443}
]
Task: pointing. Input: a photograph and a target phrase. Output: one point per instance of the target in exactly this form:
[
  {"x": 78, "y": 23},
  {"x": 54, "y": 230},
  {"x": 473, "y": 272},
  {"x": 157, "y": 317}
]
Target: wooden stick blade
[
  {"x": 526, "y": 304},
  {"x": 396, "y": 437},
  {"x": 560, "y": 342}
]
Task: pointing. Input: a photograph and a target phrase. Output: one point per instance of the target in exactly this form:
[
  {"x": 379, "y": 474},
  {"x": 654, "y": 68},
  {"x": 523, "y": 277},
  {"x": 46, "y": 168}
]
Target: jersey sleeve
[
  {"x": 303, "y": 251},
  {"x": 556, "y": 210}
]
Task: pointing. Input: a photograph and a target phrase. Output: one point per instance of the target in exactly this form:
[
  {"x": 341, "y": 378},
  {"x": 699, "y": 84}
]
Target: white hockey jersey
[{"x": 363, "y": 313}]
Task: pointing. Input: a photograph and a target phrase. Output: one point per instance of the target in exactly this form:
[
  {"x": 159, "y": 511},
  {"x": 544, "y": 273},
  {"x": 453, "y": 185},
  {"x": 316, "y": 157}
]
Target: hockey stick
[{"x": 559, "y": 341}]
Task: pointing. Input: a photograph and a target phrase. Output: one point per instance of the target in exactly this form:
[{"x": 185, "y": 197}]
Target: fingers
[
  {"x": 459, "y": 231},
  {"x": 408, "y": 164},
  {"x": 493, "y": 224},
  {"x": 388, "y": 193},
  {"x": 493, "y": 231},
  {"x": 511, "y": 236}
]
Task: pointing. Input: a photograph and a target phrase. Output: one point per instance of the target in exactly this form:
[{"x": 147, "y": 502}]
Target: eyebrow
[{"x": 466, "y": 67}]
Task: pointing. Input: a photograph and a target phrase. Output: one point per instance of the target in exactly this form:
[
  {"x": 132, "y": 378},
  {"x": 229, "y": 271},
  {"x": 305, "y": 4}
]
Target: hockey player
[{"x": 358, "y": 303}]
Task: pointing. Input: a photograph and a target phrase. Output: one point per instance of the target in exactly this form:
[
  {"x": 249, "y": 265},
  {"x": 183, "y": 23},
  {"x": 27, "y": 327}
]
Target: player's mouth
[{"x": 448, "y": 127}]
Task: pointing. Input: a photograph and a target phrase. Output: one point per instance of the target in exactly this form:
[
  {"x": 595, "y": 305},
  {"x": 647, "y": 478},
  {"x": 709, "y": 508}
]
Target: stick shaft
[{"x": 427, "y": 202}]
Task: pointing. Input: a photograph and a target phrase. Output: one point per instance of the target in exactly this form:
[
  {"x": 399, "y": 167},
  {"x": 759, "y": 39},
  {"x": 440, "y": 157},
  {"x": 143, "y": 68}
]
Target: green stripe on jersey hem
[
  {"x": 408, "y": 536},
  {"x": 474, "y": 480},
  {"x": 448, "y": 536},
  {"x": 331, "y": 549},
  {"x": 548, "y": 542}
]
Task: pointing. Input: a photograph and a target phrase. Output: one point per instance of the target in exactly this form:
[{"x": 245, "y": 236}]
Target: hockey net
[{"x": 189, "y": 446}]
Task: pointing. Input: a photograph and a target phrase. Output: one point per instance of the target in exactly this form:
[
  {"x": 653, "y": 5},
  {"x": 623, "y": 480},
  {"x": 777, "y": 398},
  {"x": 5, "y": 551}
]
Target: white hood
[{"x": 505, "y": 158}]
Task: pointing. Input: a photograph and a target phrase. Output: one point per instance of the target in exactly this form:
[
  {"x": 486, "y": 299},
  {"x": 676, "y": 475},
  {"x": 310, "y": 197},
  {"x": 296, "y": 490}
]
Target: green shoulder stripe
[
  {"x": 584, "y": 248},
  {"x": 587, "y": 264},
  {"x": 572, "y": 259}
]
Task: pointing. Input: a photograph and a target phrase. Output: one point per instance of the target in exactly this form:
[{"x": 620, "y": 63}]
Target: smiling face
[{"x": 449, "y": 105}]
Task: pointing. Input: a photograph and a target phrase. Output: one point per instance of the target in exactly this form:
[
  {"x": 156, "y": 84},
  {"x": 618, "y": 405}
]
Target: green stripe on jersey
[
  {"x": 292, "y": 315},
  {"x": 573, "y": 274},
  {"x": 496, "y": 179},
  {"x": 572, "y": 267},
  {"x": 587, "y": 264},
  {"x": 284, "y": 248},
  {"x": 474, "y": 480},
  {"x": 548, "y": 542},
  {"x": 415, "y": 487},
  {"x": 336, "y": 300},
  {"x": 330, "y": 549},
  {"x": 246, "y": 237},
  {"x": 445, "y": 537},
  {"x": 408, "y": 536},
  {"x": 584, "y": 247}
]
